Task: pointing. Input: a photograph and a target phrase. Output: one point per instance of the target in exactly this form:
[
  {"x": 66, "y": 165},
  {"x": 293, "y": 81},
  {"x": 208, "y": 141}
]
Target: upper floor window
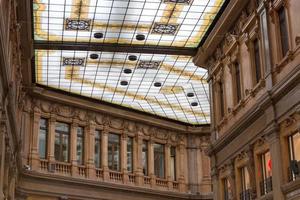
[
  {"x": 98, "y": 149},
  {"x": 237, "y": 80},
  {"x": 114, "y": 152},
  {"x": 294, "y": 155},
  {"x": 265, "y": 173},
  {"x": 257, "y": 60},
  {"x": 145, "y": 157},
  {"x": 227, "y": 194},
  {"x": 283, "y": 30},
  {"x": 173, "y": 163},
  {"x": 245, "y": 184},
  {"x": 62, "y": 140},
  {"x": 43, "y": 138},
  {"x": 159, "y": 160},
  {"x": 130, "y": 154},
  {"x": 80, "y": 146},
  {"x": 221, "y": 99}
]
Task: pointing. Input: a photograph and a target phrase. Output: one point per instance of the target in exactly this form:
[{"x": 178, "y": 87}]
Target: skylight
[{"x": 133, "y": 53}]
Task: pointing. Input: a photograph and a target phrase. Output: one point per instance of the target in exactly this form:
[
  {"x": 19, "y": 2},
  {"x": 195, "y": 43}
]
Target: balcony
[{"x": 266, "y": 186}]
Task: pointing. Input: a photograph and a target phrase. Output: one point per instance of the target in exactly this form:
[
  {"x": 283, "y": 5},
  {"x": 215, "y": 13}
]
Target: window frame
[
  {"x": 159, "y": 171},
  {"x": 61, "y": 133},
  {"x": 130, "y": 160},
  {"x": 173, "y": 162},
  {"x": 113, "y": 150},
  {"x": 292, "y": 156},
  {"x": 146, "y": 152},
  {"x": 83, "y": 142},
  {"x": 99, "y": 140},
  {"x": 281, "y": 39},
  {"x": 46, "y": 129},
  {"x": 237, "y": 82}
]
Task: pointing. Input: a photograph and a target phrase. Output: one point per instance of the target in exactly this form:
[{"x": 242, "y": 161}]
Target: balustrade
[
  {"x": 44, "y": 165},
  {"x": 115, "y": 176},
  {"x": 131, "y": 178},
  {"x": 63, "y": 168},
  {"x": 82, "y": 171},
  {"x": 99, "y": 173},
  {"x": 147, "y": 180},
  {"x": 161, "y": 182}
]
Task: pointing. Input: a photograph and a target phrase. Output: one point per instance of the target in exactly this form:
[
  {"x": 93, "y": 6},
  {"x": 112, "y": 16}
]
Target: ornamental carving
[
  {"x": 99, "y": 119},
  {"x": 77, "y": 24},
  {"x": 64, "y": 111},
  {"x": 166, "y": 29},
  {"x": 116, "y": 123}
]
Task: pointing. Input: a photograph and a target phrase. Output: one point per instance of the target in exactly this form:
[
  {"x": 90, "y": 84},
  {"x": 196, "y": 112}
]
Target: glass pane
[
  {"x": 98, "y": 149},
  {"x": 283, "y": 31},
  {"x": 61, "y": 150},
  {"x": 114, "y": 152},
  {"x": 296, "y": 146},
  {"x": 65, "y": 147},
  {"x": 130, "y": 154},
  {"x": 159, "y": 160},
  {"x": 173, "y": 163},
  {"x": 257, "y": 60},
  {"x": 80, "y": 145},
  {"x": 43, "y": 138},
  {"x": 145, "y": 157}
]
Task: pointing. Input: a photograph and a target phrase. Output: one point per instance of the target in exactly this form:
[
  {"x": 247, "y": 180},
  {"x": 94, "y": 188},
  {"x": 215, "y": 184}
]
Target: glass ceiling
[
  {"x": 176, "y": 23},
  {"x": 158, "y": 81}
]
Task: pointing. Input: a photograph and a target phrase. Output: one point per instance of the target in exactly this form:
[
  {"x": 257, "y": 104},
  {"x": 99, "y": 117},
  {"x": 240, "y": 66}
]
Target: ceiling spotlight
[
  {"x": 157, "y": 84},
  {"x": 190, "y": 94},
  {"x": 194, "y": 104},
  {"x": 124, "y": 83},
  {"x": 140, "y": 37},
  {"x": 98, "y": 35},
  {"x": 94, "y": 56},
  {"x": 127, "y": 71},
  {"x": 132, "y": 58}
]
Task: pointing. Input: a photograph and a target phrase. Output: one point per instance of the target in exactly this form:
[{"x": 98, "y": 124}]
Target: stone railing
[
  {"x": 80, "y": 171},
  {"x": 62, "y": 168},
  {"x": 161, "y": 182},
  {"x": 115, "y": 176},
  {"x": 43, "y": 165}
]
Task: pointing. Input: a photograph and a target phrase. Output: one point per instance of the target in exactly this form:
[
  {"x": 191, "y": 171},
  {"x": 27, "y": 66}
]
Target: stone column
[
  {"x": 231, "y": 179},
  {"x": 277, "y": 173},
  {"x": 181, "y": 178},
  {"x": 89, "y": 150},
  {"x": 35, "y": 141},
  {"x": 2, "y": 158},
  {"x": 168, "y": 165},
  {"x": 104, "y": 157},
  {"x": 138, "y": 165},
  {"x": 263, "y": 16},
  {"x": 205, "y": 184},
  {"x": 151, "y": 163},
  {"x": 192, "y": 153},
  {"x": 73, "y": 148},
  {"x": 123, "y": 157},
  {"x": 51, "y": 139},
  {"x": 215, "y": 182}
]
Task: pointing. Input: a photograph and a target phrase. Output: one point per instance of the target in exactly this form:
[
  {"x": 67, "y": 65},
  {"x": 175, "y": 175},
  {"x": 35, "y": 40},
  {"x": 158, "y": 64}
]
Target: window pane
[
  {"x": 159, "y": 160},
  {"x": 130, "y": 154},
  {"x": 238, "y": 82},
  {"x": 98, "y": 149},
  {"x": 221, "y": 99},
  {"x": 257, "y": 61},
  {"x": 296, "y": 146},
  {"x": 145, "y": 157},
  {"x": 266, "y": 165},
  {"x": 283, "y": 31},
  {"x": 61, "y": 149},
  {"x": 43, "y": 138},
  {"x": 80, "y": 145},
  {"x": 114, "y": 152},
  {"x": 245, "y": 179},
  {"x": 173, "y": 163}
]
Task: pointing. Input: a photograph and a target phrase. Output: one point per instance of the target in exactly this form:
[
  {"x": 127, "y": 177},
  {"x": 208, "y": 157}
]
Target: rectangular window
[
  {"x": 80, "y": 146},
  {"x": 294, "y": 155},
  {"x": 145, "y": 157},
  {"x": 159, "y": 160},
  {"x": 257, "y": 60},
  {"x": 114, "y": 152},
  {"x": 245, "y": 184},
  {"x": 265, "y": 173},
  {"x": 227, "y": 189},
  {"x": 222, "y": 110},
  {"x": 283, "y": 31},
  {"x": 62, "y": 140},
  {"x": 43, "y": 134},
  {"x": 238, "y": 82},
  {"x": 130, "y": 154},
  {"x": 173, "y": 163},
  {"x": 98, "y": 149}
]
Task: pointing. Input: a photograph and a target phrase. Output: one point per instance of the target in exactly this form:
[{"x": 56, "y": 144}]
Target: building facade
[
  {"x": 54, "y": 145},
  {"x": 253, "y": 61}
]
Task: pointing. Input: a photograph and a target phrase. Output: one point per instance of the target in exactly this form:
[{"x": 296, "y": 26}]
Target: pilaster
[
  {"x": 138, "y": 165},
  {"x": 168, "y": 166},
  {"x": 124, "y": 157},
  {"x": 51, "y": 139},
  {"x": 35, "y": 141},
  {"x": 73, "y": 148},
  {"x": 104, "y": 157},
  {"x": 181, "y": 179},
  {"x": 89, "y": 146},
  {"x": 151, "y": 163},
  {"x": 2, "y": 159}
]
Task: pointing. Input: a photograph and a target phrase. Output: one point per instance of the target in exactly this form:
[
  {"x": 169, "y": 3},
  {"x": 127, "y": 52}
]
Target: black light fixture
[
  {"x": 124, "y": 83},
  {"x": 132, "y": 58},
  {"x": 157, "y": 84},
  {"x": 127, "y": 71},
  {"x": 98, "y": 35},
  {"x": 94, "y": 56},
  {"x": 190, "y": 94},
  {"x": 140, "y": 37},
  {"x": 194, "y": 104}
]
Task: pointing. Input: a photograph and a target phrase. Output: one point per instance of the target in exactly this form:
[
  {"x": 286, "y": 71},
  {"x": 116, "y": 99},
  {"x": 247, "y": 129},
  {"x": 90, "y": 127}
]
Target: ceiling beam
[{"x": 84, "y": 46}]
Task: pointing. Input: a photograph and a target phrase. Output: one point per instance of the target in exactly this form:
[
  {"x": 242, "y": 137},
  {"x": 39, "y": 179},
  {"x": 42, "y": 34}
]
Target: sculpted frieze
[{"x": 116, "y": 123}]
